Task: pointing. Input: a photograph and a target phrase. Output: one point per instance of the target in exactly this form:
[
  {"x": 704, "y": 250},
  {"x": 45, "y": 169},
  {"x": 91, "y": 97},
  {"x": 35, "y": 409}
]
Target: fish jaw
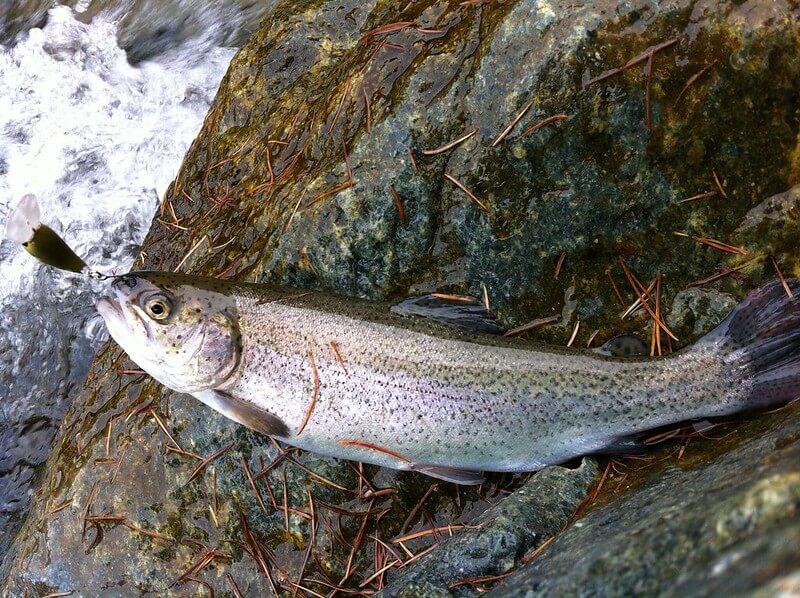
[
  {"x": 116, "y": 319},
  {"x": 124, "y": 331},
  {"x": 194, "y": 347}
]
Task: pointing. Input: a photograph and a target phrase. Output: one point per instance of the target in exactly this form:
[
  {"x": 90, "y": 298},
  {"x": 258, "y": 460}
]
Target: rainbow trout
[{"x": 348, "y": 379}]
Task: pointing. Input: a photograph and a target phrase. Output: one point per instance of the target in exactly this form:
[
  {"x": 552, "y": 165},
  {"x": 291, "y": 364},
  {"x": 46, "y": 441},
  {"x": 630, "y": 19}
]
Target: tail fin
[{"x": 760, "y": 341}]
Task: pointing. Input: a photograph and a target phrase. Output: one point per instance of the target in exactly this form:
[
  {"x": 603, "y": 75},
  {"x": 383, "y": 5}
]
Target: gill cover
[{"x": 185, "y": 336}]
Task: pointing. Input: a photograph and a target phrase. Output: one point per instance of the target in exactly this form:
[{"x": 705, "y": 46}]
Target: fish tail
[{"x": 760, "y": 345}]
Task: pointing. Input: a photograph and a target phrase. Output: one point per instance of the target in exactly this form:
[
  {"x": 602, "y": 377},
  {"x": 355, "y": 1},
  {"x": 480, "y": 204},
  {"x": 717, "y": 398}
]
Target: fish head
[{"x": 185, "y": 335}]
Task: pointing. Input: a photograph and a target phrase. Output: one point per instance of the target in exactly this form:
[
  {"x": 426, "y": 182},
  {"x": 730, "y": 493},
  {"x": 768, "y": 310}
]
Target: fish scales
[
  {"x": 427, "y": 398},
  {"x": 409, "y": 393}
]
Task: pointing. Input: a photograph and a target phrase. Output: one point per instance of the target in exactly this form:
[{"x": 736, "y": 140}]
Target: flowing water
[{"x": 97, "y": 140}]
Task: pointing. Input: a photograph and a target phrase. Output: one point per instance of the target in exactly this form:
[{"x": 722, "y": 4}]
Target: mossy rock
[{"x": 310, "y": 170}]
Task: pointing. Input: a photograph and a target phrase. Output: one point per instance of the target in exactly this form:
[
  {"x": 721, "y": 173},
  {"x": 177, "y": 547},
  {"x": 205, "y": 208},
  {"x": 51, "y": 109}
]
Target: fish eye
[{"x": 158, "y": 306}]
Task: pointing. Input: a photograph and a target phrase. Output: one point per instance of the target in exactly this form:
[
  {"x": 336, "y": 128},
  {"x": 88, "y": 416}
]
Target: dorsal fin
[
  {"x": 461, "y": 312},
  {"x": 624, "y": 345}
]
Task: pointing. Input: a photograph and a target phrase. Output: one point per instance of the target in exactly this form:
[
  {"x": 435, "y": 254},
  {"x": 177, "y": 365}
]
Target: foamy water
[{"x": 97, "y": 141}]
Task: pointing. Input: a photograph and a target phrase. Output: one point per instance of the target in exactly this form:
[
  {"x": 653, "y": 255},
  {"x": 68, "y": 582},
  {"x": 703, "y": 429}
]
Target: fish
[{"x": 399, "y": 388}]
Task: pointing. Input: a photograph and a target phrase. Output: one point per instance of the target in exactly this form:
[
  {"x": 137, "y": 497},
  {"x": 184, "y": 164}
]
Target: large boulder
[{"x": 311, "y": 170}]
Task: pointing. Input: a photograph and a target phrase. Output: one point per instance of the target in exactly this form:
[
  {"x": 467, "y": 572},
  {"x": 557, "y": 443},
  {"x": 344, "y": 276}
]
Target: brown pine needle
[
  {"x": 234, "y": 588},
  {"x": 457, "y": 298},
  {"x": 60, "y": 594},
  {"x": 559, "y": 264},
  {"x": 59, "y": 507},
  {"x": 105, "y": 518},
  {"x": 132, "y": 526},
  {"x": 782, "y": 279},
  {"x": 532, "y": 325},
  {"x": 256, "y": 552},
  {"x": 475, "y": 581},
  {"x": 698, "y": 197},
  {"x": 615, "y": 287},
  {"x": 574, "y": 333},
  {"x": 412, "y": 160},
  {"x": 468, "y": 193},
  {"x": 715, "y": 244},
  {"x": 401, "y": 212},
  {"x": 385, "y": 29},
  {"x": 325, "y": 194},
  {"x": 451, "y": 145},
  {"x": 163, "y": 427},
  {"x": 486, "y": 304},
  {"x": 252, "y": 483},
  {"x": 380, "y": 572},
  {"x": 374, "y": 447},
  {"x": 208, "y": 460},
  {"x": 321, "y": 479},
  {"x": 633, "y": 61},
  {"x": 592, "y": 337},
  {"x": 538, "y": 550},
  {"x": 345, "y": 91},
  {"x": 88, "y": 506},
  {"x": 542, "y": 123},
  {"x": 367, "y": 109},
  {"x": 410, "y": 519},
  {"x": 655, "y": 335},
  {"x": 434, "y": 530},
  {"x": 643, "y": 293},
  {"x": 313, "y": 396},
  {"x": 638, "y": 302},
  {"x": 719, "y": 185},
  {"x": 723, "y": 272},
  {"x": 694, "y": 78},
  {"x": 335, "y": 347},
  {"x": 512, "y": 124}
]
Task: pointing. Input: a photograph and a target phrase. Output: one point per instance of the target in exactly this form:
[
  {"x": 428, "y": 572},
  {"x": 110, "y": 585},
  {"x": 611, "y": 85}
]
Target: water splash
[{"x": 97, "y": 141}]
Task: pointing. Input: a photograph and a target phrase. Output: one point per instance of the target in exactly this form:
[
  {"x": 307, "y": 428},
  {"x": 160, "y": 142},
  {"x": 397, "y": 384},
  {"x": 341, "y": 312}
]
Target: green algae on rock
[
  {"x": 525, "y": 520},
  {"x": 326, "y": 110},
  {"x": 729, "y": 526}
]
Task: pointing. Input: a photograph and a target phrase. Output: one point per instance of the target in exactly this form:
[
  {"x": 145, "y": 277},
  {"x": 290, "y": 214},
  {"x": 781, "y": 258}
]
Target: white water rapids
[{"x": 97, "y": 141}]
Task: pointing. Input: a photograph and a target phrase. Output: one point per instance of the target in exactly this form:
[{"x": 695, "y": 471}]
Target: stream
[{"x": 97, "y": 140}]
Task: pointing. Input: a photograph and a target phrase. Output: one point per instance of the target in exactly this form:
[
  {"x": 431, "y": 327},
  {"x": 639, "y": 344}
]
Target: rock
[
  {"x": 772, "y": 227},
  {"x": 330, "y": 90},
  {"x": 697, "y": 311},
  {"x": 147, "y": 29},
  {"x": 728, "y": 526},
  {"x": 17, "y": 17},
  {"x": 524, "y": 520}
]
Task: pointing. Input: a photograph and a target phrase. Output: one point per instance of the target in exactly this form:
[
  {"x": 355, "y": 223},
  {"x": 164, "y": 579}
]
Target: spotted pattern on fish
[{"x": 440, "y": 397}]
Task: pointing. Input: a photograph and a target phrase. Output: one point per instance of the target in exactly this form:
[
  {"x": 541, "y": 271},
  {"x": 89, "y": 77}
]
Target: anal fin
[
  {"x": 464, "y": 313},
  {"x": 450, "y": 474}
]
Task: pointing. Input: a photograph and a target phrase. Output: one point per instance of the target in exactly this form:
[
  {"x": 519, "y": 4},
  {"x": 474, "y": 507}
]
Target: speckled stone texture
[
  {"x": 521, "y": 522},
  {"x": 326, "y": 89},
  {"x": 727, "y": 528}
]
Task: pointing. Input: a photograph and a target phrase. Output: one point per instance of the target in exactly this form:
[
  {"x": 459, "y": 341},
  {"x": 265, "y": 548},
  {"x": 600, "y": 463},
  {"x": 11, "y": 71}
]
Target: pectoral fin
[
  {"x": 450, "y": 474},
  {"x": 245, "y": 412},
  {"x": 464, "y": 313}
]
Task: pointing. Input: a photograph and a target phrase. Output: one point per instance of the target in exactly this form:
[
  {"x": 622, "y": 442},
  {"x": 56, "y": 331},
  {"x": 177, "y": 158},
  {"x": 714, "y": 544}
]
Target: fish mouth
[{"x": 110, "y": 309}]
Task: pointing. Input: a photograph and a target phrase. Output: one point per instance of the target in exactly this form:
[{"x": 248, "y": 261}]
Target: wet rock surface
[
  {"x": 504, "y": 535},
  {"x": 147, "y": 29},
  {"x": 730, "y": 526},
  {"x": 311, "y": 170}
]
